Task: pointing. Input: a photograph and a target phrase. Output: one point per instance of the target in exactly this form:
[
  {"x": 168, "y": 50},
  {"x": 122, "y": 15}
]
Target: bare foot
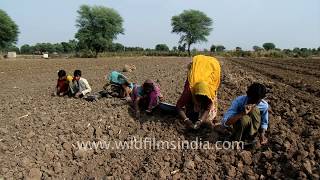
[{"x": 263, "y": 141}]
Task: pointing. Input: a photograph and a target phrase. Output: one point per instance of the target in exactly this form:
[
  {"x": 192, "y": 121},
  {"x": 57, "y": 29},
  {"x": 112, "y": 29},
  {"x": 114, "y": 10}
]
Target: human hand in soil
[
  {"x": 208, "y": 124},
  {"x": 188, "y": 123},
  {"x": 221, "y": 130},
  {"x": 197, "y": 124},
  {"x": 78, "y": 94},
  {"x": 248, "y": 108}
]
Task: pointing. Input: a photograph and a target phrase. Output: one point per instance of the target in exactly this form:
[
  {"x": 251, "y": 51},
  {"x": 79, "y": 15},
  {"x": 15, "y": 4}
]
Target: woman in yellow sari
[{"x": 198, "y": 102}]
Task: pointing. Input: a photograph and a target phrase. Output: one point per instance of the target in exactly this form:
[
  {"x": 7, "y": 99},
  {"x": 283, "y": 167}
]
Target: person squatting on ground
[
  {"x": 79, "y": 86},
  {"x": 146, "y": 96},
  {"x": 118, "y": 84},
  {"x": 63, "y": 83},
  {"x": 198, "y": 102},
  {"x": 247, "y": 114}
]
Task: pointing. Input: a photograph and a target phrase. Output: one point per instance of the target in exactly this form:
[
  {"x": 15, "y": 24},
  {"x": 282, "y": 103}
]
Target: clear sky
[{"x": 244, "y": 23}]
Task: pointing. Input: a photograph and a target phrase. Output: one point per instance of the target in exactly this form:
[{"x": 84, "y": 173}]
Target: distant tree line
[
  {"x": 72, "y": 47},
  {"x": 99, "y": 26}
]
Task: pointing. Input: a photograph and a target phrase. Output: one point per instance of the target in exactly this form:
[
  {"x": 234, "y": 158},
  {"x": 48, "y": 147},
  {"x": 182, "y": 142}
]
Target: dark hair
[
  {"x": 147, "y": 87},
  {"x": 77, "y": 73},
  {"x": 126, "y": 83},
  {"x": 256, "y": 91},
  {"x": 204, "y": 101},
  {"x": 62, "y": 73}
]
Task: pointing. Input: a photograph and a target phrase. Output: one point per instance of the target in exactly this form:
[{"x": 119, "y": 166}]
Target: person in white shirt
[{"x": 79, "y": 86}]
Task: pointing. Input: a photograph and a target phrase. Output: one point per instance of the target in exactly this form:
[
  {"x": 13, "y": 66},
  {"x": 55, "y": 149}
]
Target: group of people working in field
[{"x": 246, "y": 118}]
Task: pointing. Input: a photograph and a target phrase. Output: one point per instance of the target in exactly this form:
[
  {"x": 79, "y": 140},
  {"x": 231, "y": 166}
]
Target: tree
[
  {"x": 44, "y": 48},
  {"x": 134, "y": 49},
  {"x": 174, "y": 48},
  {"x": 58, "y": 48},
  {"x": 287, "y": 51},
  {"x": 257, "y": 48},
  {"x": 13, "y": 48},
  {"x": 268, "y": 46},
  {"x": 220, "y": 48},
  {"x": 213, "y": 48},
  {"x": 26, "y": 49},
  {"x": 296, "y": 50},
  {"x": 182, "y": 47},
  {"x": 98, "y": 27},
  {"x": 194, "y": 26},
  {"x": 8, "y": 31},
  {"x": 238, "y": 49},
  {"x": 118, "y": 47},
  {"x": 161, "y": 47},
  {"x": 305, "y": 52},
  {"x": 67, "y": 47}
]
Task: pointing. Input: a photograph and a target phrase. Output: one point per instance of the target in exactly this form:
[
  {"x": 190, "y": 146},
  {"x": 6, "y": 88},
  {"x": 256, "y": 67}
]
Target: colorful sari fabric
[
  {"x": 150, "y": 100},
  {"x": 204, "y": 73},
  {"x": 203, "y": 79}
]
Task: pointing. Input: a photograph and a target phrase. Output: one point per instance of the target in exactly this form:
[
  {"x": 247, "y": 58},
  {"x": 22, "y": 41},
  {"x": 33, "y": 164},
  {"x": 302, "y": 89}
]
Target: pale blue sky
[{"x": 244, "y": 23}]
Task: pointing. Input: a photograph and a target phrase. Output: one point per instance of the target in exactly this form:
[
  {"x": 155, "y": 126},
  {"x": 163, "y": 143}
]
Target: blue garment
[
  {"x": 138, "y": 90},
  {"x": 131, "y": 85},
  {"x": 117, "y": 78},
  {"x": 238, "y": 106}
]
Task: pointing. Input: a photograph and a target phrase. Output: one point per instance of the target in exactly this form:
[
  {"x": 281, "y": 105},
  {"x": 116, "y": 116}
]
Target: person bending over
[
  {"x": 146, "y": 96},
  {"x": 198, "y": 102}
]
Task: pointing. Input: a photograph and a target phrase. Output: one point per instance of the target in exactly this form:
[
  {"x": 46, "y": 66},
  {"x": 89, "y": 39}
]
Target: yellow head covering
[{"x": 204, "y": 76}]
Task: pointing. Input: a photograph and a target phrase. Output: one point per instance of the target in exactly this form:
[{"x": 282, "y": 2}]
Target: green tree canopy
[
  {"x": 161, "y": 47},
  {"x": 220, "y": 48},
  {"x": 44, "y": 47},
  {"x": 182, "y": 47},
  {"x": 8, "y": 31},
  {"x": 69, "y": 47},
  {"x": 98, "y": 27},
  {"x": 58, "y": 48},
  {"x": 174, "y": 48},
  {"x": 238, "y": 49},
  {"x": 26, "y": 49},
  {"x": 213, "y": 48},
  {"x": 115, "y": 47},
  {"x": 193, "y": 26},
  {"x": 268, "y": 46},
  {"x": 257, "y": 48},
  {"x": 134, "y": 49},
  {"x": 12, "y": 48}
]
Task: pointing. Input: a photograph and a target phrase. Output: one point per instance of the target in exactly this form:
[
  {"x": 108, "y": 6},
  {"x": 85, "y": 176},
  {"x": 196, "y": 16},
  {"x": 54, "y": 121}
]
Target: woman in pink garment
[{"x": 146, "y": 96}]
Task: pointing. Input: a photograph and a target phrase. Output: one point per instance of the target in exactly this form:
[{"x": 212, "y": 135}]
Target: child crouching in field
[
  {"x": 79, "y": 86},
  {"x": 63, "y": 83},
  {"x": 248, "y": 114},
  {"x": 146, "y": 96}
]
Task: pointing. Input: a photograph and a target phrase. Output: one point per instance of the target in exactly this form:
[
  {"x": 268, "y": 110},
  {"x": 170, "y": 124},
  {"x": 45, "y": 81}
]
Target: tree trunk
[{"x": 189, "y": 53}]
